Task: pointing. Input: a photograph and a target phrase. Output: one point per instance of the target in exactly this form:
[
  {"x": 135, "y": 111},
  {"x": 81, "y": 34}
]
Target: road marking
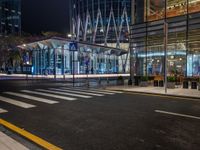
[
  {"x": 101, "y": 90},
  {"x": 49, "y": 95},
  {"x": 176, "y": 114},
  {"x": 16, "y": 103},
  {"x": 29, "y": 136},
  {"x": 32, "y": 97},
  {"x": 79, "y": 92},
  {"x": 163, "y": 96},
  {"x": 64, "y": 93},
  {"x": 90, "y": 91},
  {"x": 7, "y": 143},
  {"x": 98, "y": 91},
  {"x": 110, "y": 91},
  {"x": 3, "y": 111}
]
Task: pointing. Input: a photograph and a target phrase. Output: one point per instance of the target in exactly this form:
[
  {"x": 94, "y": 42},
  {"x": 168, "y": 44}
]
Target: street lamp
[
  {"x": 73, "y": 48},
  {"x": 165, "y": 49}
]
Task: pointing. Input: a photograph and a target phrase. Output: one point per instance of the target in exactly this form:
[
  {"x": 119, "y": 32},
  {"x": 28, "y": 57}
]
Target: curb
[{"x": 158, "y": 94}]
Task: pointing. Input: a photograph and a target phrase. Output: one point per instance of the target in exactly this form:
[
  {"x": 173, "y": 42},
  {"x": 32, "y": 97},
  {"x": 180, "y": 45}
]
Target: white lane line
[
  {"x": 176, "y": 114},
  {"x": 49, "y": 95},
  {"x": 78, "y": 92},
  {"x": 89, "y": 91},
  {"x": 64, "y": 93},
  {"x": 7, "y": 143},
  {"x": 15, "y": 102},
  {"x": 31, "y": 97},
  {"x": 3, "y": 111}
]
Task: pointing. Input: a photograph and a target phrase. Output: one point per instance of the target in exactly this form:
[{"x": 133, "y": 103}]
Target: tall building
[
  {"x": 104, "y": 22},
  {"x": 168, "y": 28},
  {"x": 10, "y": 17}
]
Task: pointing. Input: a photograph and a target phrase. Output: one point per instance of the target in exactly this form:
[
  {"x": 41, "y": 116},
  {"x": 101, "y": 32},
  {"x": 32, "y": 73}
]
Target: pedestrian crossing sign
[{"x": 73, "y": 46}]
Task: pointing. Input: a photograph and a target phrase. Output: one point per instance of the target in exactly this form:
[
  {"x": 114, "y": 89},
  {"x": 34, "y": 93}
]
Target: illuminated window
[
  {"x": 176, "y": 8},
  {"x": 194, "y": 6},
  {"x": 155, "y": 9}
]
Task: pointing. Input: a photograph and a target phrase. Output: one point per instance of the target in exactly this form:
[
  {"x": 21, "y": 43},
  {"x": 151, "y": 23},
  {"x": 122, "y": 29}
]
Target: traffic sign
[{"x": 73, "y": 46}]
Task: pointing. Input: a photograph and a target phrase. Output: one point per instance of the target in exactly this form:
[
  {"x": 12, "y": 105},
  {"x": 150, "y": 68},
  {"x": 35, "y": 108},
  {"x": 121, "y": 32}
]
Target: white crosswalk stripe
[
  {"x": 78, "y": 92},
  {"x": 89, "y": 90},
  {"x": 64, "y": 93},
  {"x": 49, "y": 95},
  {"x": 15, "y": 102},
  {"x": 32, "y": 97},
  {"x": 111, "y": 91},
  {"x": 3, "y": 111}
]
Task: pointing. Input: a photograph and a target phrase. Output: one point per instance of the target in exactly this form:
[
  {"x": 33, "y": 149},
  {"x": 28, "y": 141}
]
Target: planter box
[
  {"x": 130, "y": 82},
  {"x": 136, "y": 82},
  {"x": 120, "y": 82},
  {"x": 144, "y": 83},
  {"x": 193, "y": 85},
  {"x": 155, "y": 83},
  {"x": 185, "y": 84},
  {"x": 171, "y": 85},
  {"x": 161, "y": 83}
]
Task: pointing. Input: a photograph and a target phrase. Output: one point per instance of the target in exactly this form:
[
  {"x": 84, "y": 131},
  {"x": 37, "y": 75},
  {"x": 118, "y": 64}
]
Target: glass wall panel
[
  {"x": 194, "y": 6},
  {"x": 155, "y": 48},
  {"x": 194, "y": 53},
  {"x": 155, "y": 59},
  {"x": 140, "y": 11},
  {"x": 138, "y": 54},
  {"x": 177, "y": 48},
  {"x": 140, "y": 66},
  {"x": 155, "y": 9},
  {"x": 176, "y": 64},
  {"x": 176, "y": 7}
]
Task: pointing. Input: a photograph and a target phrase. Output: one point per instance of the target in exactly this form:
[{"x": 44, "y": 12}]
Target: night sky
[{"x": 45, "y": 15}]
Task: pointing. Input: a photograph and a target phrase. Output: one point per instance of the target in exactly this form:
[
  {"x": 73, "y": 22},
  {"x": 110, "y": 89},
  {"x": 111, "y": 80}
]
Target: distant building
[{"x": 10, "y": 17}]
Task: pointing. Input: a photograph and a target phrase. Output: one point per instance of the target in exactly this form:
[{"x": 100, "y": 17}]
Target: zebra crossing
[{"x": 24, "y": 98}]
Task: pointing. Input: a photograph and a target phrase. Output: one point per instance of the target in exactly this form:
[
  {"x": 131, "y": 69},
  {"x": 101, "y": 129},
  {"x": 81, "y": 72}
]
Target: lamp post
[
  {"x": 165, "y": 50},
  {"x": 73, "y": 48}
]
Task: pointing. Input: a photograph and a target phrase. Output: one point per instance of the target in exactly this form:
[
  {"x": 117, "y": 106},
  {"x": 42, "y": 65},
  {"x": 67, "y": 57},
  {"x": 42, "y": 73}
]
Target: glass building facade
[
  {"x": 103, "y": 22},
  {"x": 53, "y": 57},
  {"x": 182, "y": 21},
  {"x": 10, "y": 17}
]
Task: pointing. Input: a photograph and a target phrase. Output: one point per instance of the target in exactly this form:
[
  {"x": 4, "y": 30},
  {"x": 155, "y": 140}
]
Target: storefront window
[
  {"x": 194, "y": 6},
  {"x": 140, "y": 64},
  {"x": 176, "y": 48},
  {"x": 155, "y": 58},
  {"x": 176, "y": 8},
  {"x": 155, "y": 9}
]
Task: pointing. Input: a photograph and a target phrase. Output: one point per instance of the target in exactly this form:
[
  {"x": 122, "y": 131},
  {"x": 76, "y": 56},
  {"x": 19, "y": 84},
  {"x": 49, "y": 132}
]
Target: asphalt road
[{"x": 121, "y": 121}]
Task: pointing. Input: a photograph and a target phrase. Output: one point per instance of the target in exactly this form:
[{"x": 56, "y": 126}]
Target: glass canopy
[{"x": 53, "y": 56}]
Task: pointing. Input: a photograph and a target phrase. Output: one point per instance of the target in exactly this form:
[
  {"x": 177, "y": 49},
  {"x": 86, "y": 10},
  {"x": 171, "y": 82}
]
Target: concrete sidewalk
[
  {"x": 191, "y": 93},
  {"x": 4, "y": 76}
]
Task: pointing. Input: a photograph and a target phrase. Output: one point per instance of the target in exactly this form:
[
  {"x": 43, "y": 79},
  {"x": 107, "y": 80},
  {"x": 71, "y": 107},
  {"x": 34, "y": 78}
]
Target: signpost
[{"x": 73, "y": 47}]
